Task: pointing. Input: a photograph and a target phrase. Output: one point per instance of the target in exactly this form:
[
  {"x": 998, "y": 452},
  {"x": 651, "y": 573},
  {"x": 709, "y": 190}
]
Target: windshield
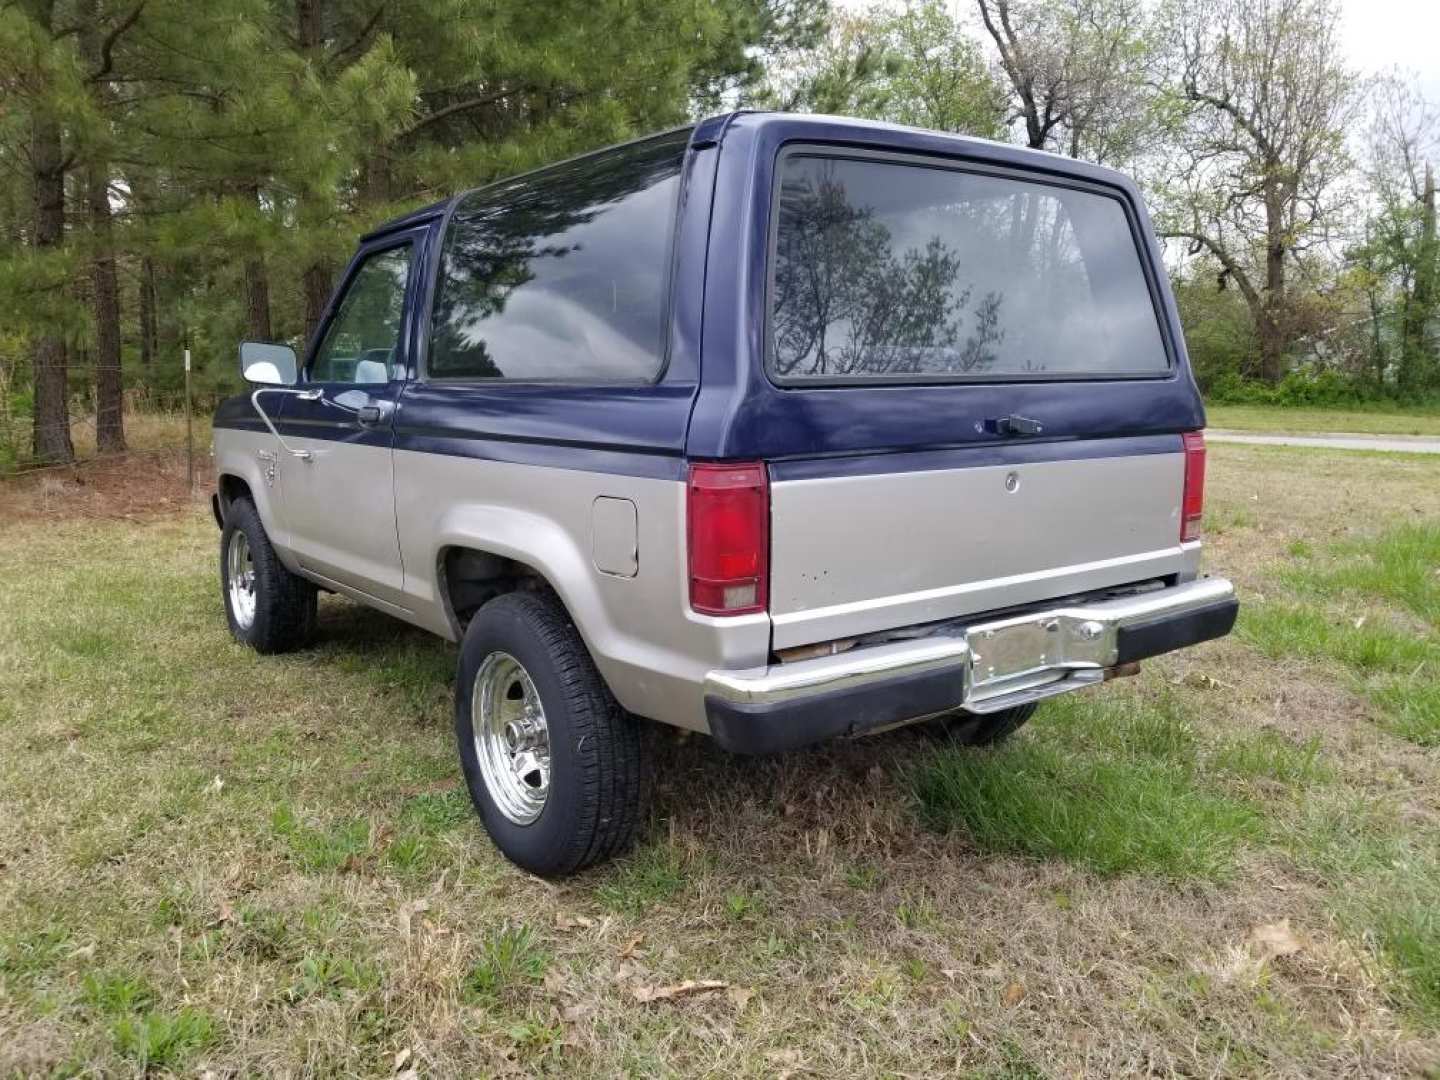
[{"x": 884, "y": 271}]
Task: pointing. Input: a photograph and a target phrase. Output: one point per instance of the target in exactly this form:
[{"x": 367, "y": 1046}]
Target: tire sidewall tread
[
  {"x": 285, "y": 605},
  {"x": 599, "y": 774}
]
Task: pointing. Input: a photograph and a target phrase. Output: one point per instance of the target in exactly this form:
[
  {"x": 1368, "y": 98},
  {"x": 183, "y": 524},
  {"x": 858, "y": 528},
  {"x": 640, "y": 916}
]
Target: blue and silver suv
[{"x": 775, "y": 427}]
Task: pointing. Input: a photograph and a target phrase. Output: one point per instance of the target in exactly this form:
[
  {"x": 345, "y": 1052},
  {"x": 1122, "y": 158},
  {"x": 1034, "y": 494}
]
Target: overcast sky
[
  {"x": 1379, "y": 34},
  {"x": 1382, "y": 33}
]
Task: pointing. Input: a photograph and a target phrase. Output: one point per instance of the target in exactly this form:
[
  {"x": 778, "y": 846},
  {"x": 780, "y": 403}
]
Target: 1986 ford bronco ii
[{"x": 776, "y": 427}]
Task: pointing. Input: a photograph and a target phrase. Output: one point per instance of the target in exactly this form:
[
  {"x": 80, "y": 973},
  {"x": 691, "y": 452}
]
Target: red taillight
[
  {"x": 1192, "y": 503},
  {"x": 728, "y": 533}
]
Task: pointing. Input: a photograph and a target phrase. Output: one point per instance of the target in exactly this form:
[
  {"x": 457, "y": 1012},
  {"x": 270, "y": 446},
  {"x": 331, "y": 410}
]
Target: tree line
[{"x": 183, "y": 175}]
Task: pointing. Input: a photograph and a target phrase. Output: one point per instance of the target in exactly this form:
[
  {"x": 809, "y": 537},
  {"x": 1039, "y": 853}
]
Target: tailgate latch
[{"x": 1014, "y": 425}]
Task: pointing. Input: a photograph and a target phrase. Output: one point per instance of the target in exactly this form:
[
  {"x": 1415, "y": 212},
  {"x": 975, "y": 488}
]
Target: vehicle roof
[
  {"x": 777, "y": 127},
  {"x": 415, "y": 217},
  {"x": 818, "y": 127}
]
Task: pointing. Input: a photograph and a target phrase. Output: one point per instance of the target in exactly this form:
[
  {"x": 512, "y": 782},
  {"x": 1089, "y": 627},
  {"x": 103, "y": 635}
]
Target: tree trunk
[
  {"x": 1271, "y": 324},
  {"x": 109, "y": 386},
  {"x": 257, "y": 301},
  {"x": 105, "y": 290},
  {"x": 1417, "y": 365},
  {"x": 310, "y": 20},
  {"x": 375, "y": 179},
  {"x": 149, "y": 338},
  {"x": 51, "y": 436},
  {"x": 257, "y": 290},
  {"x": 316, "y": 281},
  {"x": 310, "y": 23}
]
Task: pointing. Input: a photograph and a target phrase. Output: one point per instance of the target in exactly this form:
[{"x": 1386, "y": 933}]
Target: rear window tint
[
  {"x": 884, "y": 271},
  {"x": 561, "y": 275}
]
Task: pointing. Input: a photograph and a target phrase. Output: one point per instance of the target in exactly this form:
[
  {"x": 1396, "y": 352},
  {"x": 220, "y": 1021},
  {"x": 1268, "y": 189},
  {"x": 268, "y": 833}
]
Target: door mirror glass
[{"x": 273, "y": 365}]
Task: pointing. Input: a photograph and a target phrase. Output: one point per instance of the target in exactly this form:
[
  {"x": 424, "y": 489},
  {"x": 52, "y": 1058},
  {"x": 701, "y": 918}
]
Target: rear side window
[
  {"x": 562, "y": 275},
  {"x": 886, "y": 271}
]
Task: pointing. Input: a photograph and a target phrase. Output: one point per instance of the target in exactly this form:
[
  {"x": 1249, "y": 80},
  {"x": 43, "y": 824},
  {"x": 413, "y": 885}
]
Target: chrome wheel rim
[
  {"x": 512, "y": 740},
  {"x": 240, "y": 579}
]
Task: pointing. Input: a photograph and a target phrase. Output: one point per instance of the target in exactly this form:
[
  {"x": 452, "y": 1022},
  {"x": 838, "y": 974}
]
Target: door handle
[{"x": 369, "y": 415}]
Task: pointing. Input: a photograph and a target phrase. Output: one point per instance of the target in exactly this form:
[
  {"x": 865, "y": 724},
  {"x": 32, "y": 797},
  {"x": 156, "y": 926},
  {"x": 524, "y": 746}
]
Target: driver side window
[{"x": 362, "y": 340}]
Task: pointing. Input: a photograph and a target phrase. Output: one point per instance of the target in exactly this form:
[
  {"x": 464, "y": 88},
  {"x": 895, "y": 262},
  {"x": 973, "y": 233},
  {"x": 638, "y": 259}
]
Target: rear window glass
[
  {"x": 562, "y": 275},
  {"x": 894, "y": 272}
]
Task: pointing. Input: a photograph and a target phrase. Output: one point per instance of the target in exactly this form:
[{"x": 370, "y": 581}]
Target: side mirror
[{"x": 273, "y": 365}]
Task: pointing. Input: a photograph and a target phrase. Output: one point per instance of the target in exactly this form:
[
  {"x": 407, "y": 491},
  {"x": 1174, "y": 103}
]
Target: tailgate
[{"x": 896, "y": 540}]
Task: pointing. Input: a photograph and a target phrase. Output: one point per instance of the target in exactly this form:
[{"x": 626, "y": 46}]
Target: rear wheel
[
  {"x": 982, "y": 729},
  {"x": 266, "y": 606},
  {"x": 557, "y": 770}
]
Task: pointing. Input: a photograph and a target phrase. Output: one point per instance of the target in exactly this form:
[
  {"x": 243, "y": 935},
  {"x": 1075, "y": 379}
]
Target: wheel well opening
[
  {"x": 231, "y": 488},
  {"x": 470, "y": 578}
]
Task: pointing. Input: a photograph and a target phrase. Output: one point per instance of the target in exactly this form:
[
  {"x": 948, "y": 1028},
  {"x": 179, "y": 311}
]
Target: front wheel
[
  {"x": 266, "y": 606},
  {"x": 557, "y": 770}
]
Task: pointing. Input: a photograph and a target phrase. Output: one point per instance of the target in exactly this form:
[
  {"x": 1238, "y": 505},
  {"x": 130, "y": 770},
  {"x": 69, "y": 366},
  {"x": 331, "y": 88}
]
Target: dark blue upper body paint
[{"x": 714, "y": 399}]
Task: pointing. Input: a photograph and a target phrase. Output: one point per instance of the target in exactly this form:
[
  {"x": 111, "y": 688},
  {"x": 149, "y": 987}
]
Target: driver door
[{"x": 339, "y": 502}]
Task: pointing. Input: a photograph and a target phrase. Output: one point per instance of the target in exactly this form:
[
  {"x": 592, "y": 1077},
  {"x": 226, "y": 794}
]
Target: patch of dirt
[{"x": 129, "y": 487}]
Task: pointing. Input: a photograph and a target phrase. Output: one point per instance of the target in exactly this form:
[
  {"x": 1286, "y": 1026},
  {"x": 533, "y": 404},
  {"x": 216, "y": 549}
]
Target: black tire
[
  {"x": 285, "y": 605},
  {"x": 982, "y": 729},
  {"x": 599, "y": 755}
]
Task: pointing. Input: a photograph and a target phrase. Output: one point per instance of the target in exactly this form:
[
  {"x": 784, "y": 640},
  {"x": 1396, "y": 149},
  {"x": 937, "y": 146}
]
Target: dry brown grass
[{"x": 279, "y": 848}]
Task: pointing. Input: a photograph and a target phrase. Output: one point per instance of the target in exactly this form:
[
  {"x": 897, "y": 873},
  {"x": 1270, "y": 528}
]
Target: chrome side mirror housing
[{"x": 268, "y": 364}]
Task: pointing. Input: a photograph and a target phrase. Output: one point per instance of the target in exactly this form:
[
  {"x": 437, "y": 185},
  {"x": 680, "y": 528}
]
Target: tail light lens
[
  {"x": 1192, "y": 503},
  {"x": 728, "y": 535}
]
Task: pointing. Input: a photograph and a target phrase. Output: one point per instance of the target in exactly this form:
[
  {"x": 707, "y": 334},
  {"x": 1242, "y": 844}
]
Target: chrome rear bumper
[{"x": 984, "y": 667}]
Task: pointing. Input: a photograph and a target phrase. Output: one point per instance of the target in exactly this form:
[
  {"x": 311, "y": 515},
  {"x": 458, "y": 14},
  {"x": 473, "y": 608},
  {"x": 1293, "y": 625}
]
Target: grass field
[
  {"x": 213, "y": 863},
  {"x": 1290, "y": 421}
]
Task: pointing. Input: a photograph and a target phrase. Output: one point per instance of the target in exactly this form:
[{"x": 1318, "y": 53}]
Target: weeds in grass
[
  {"x": 511, "y": 958},
  {"x": 116, "y": 993},
  {"x": 742, "y": 905},
  {"x": 321, "y": 850},
  {"x": 652, "y": 875},
  {"x": 325, "y": 975},
  {"x": 439, "y": 812},
  {"x": 25, "y": 955},
  {"x": 160, "y": 1041}
]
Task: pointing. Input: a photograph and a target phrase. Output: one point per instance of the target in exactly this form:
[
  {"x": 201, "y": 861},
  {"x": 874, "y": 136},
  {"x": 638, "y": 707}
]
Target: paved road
[{"x": 1405, "y": 444}]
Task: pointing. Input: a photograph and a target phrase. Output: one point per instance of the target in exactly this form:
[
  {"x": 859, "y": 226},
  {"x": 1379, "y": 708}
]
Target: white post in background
[{"x": 189, "y": 432}]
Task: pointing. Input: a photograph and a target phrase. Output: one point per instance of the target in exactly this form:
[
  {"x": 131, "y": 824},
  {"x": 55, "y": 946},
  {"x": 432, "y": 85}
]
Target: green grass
[
  {"x": 116, "y": 993},
  {"x": 1406, "y": 928},
  {"x": 162, "y": 1041},
  {"x": 1268, "y": 755},
  {"x": 654, "y": 874},
  {"x": 511, "y": 958},
  {"x": 1378, "y": 421},
  {"x": 1113, "y": 788},
  {"x": 1411, "y": 707},
  {"x": 1392, "y": 580},
  {"x": 1400, "y": 566},
  {"x": 257, "y": 865},
  {"x": 1282, "y": 631}
]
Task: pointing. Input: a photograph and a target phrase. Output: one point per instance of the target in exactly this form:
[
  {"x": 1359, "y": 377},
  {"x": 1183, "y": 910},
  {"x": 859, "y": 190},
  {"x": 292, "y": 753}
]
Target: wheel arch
[{"x": 486, "y": 551}]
